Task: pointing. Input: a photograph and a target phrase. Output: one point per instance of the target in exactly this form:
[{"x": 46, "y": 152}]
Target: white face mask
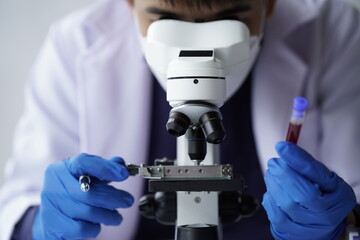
[
  {"x": 234, "y": 79},
  {"x": 237, "y": 77}
]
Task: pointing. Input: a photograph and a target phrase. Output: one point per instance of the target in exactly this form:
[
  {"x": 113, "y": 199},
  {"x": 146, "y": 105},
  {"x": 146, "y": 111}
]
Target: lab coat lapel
[{"x": 279, "y": 76}]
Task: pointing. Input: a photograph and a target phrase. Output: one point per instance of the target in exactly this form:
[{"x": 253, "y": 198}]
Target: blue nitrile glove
[
  {"x": 304, "y": 199},
  {"x": 68, "y": 213}
]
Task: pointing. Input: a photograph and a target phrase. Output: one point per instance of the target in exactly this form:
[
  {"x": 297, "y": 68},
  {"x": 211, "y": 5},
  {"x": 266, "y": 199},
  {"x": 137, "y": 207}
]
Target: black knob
[
  {"x": 147, "y": 206},
  {"x": 161, "y": 206},
  {"x": 249, "y": 205},
  {"x": 166, "y": 207},
  {"x": 234, "y": 205}
]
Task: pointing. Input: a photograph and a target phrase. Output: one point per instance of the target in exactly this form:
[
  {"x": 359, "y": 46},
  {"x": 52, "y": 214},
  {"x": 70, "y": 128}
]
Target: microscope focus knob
[
  {"x": 161, "y": 206},
  {"x": 234, "y": 206},
  {"x": 147, "y": 206}
]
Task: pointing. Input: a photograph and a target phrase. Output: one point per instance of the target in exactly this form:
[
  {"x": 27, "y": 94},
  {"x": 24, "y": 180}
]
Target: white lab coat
[{"x": 90, "y": 91}]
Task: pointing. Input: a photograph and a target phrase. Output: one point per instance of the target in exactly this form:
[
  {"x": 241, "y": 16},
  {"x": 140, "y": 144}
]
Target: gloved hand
[
  {"x": 304, "y": 199},
  {"x": 68, "y": 213}
]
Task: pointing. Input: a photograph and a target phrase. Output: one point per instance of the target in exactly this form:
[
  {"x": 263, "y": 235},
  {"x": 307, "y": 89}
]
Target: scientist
[{"x": 91, "y": 91}]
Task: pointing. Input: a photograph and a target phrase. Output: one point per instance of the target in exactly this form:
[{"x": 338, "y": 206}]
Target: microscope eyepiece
[
  {"x": 177, "y": 124},
  {"x": 211, "y": 123}
]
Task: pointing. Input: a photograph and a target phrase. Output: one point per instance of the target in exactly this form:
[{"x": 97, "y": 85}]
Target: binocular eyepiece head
[{"x": 210, "y": 122}]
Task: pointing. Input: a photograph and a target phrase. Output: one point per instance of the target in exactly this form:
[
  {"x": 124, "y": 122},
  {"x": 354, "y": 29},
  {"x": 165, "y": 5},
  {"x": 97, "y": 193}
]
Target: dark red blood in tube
[{"x": 293, "y": 133}]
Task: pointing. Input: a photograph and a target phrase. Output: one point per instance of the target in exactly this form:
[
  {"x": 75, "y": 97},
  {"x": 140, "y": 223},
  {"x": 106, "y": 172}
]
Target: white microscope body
[{"x": 192, "y": 61}]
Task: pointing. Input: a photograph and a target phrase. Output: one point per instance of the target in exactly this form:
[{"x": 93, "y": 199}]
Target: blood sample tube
[{"x": 297, "y": 118}]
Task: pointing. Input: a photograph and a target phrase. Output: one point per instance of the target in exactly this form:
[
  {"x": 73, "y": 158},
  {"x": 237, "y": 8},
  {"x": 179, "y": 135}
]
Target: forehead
[{"x": 199, "y": 4}]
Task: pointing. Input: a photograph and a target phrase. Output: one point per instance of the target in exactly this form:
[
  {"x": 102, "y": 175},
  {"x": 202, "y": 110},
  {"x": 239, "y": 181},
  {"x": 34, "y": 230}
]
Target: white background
[{"x": 23, "y": 26}]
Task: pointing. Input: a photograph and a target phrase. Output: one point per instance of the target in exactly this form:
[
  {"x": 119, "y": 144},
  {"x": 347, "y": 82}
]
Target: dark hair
[{"x": 199, "y": 3}]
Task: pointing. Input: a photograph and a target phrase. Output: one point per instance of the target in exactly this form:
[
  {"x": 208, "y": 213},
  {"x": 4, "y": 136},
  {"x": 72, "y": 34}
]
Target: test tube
[{"x": 297, "y": 118}]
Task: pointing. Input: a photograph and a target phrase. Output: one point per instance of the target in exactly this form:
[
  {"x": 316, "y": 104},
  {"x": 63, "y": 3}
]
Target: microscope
[{"x": 195, "y": 192}]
